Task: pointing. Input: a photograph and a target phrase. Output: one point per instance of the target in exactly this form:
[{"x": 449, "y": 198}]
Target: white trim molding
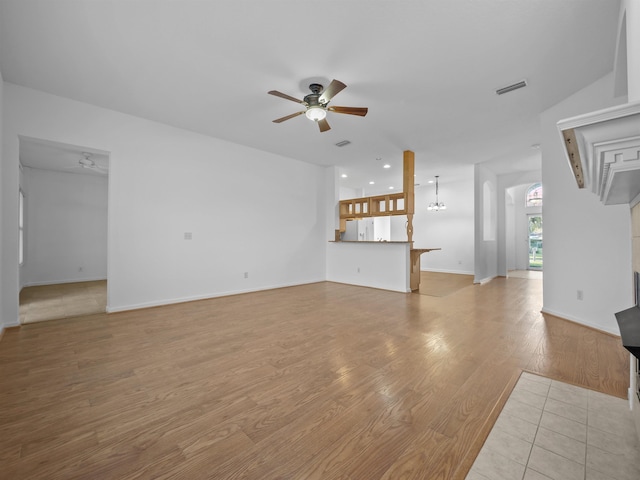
[{"x": 603, "y": 151}]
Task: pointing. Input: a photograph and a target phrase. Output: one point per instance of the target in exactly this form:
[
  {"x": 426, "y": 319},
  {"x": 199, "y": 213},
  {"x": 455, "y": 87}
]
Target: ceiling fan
[
  {"x": 316, "y": 104},
  {"x": 87, "y": 162}
]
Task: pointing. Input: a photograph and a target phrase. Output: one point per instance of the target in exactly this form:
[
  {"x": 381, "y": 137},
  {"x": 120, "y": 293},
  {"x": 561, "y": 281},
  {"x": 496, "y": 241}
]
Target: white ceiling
[{"x": 426, "y": 69}]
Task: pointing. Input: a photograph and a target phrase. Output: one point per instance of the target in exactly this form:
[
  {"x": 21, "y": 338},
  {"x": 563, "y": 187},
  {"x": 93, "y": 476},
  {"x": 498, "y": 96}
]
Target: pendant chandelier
[{"x": 437, "y": 205}]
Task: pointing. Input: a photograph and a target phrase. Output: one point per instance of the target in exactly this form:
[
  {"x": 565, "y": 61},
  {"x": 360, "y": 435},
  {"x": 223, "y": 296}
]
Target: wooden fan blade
[
  {"x": 280, "y": 120},
  {"x": 324, "y": 125},
  {"x": 360, "y": 111},
  {"x": 334, "y": 88},
  {"x": 285, "y": 96}
]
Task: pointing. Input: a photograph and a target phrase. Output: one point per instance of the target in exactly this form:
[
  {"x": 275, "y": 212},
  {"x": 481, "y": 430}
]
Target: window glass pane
[
  {"x": 535, "y": 242},
  {"x": 534, "y": 195},
  {"x": 21, "y": 228}
]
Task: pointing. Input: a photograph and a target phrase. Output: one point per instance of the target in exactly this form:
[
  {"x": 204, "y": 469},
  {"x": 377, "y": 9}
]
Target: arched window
[{"x": 534, "y": 195}]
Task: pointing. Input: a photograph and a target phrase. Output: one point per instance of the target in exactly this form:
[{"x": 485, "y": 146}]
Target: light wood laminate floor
[
  {"x": 319, "y": 381},
  {"x": 438, "y": 284},
  {"x": 530, "y": 274}
]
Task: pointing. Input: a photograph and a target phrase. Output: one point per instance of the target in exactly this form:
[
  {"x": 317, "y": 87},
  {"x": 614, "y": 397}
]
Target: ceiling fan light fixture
[
  {"x": 86, "y": 161},
  {"x": 316, "y": 113},
  {"x": 316, "y": 104}
]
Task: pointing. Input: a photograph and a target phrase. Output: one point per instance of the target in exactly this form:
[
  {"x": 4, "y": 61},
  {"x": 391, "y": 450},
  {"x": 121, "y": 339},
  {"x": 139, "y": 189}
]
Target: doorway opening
[
  {"x": 535, "y": 242},
  {"x": 63, "y": 268},
  {"x": 523, "y": 231}
]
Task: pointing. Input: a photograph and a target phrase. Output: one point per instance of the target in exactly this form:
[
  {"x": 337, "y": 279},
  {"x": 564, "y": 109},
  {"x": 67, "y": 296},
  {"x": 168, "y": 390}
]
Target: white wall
[
  {"x": 451, "y": 229},
  {"x": 632, "y": 11},
  {"x": 332, "y": 201},
  {"x": 66, "y": 227},
  {"x": 398, "y": 228},
  {"x": 23, "y": 187},
  {"x": 510, "y": 230},
  {"x": 247, "y": 210},
  {"x": 351, "y": 232},
  {"x": 587, "y": 244},
  {"x": 347, "y": 193},
  {"x": 486, "y": 224},
  {"x": 372, "y": 264},
  {"x": 7, "y": 313}
]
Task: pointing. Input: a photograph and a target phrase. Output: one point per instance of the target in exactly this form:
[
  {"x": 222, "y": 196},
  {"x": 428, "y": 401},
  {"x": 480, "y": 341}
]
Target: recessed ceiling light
[
  {"x": 536, "y": 146},
  {"x": 390, "y": 188},
  {"x": 342, "y": 143},
  {"x": 344, "y": 175},
  {"x": 430, "y": 181},
  {"x": 372, "y": 183},
  {"x": 386, "y": 165}
]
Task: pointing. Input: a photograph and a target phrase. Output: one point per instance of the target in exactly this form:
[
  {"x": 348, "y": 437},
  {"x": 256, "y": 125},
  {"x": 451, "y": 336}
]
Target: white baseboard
[
  {"x": 62, "y": 282},
  {"x": 581, "y": 321},
  {"x": 194, "y": 298}
]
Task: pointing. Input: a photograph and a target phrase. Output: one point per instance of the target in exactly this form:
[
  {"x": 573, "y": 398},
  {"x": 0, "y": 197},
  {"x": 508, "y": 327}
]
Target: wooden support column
[{"x": 408, "y": 182}]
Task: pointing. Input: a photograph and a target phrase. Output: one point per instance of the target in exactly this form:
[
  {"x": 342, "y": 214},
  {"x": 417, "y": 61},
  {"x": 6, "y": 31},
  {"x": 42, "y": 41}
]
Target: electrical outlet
[
  {"x": 188, "y": 235},
  {"x": 246, "y": 274},
  {"x": 580, "y": 295}
]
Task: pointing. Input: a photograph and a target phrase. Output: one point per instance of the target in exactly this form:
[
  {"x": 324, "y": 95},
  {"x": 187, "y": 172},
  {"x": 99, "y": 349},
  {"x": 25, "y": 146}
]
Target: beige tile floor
[
  {"x": 553, "y": 430},
  {"x": 51, "y": 302}
]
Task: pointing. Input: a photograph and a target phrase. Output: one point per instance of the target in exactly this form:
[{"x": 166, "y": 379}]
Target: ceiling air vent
[
  {"x": 511, "y": 88},
  {"x": 343, "y": 143}
]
